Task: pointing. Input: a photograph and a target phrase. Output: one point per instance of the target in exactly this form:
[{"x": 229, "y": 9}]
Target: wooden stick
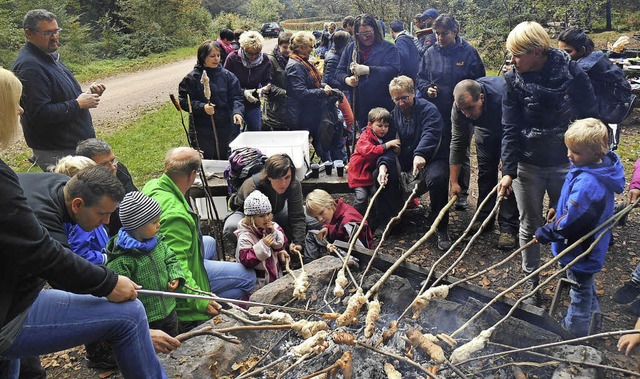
[
  {"x": 320, "y": 372},
  {"x": 252, "y": 327},
  {"x": 401, "y": 259},
  {"x": 204, "y": 332},
  {"x": 294, "y": 365},
  {"x": 387, "y": 229},
  {"x": 398, "y": 357},
  {"x": 615, "y": 217}
]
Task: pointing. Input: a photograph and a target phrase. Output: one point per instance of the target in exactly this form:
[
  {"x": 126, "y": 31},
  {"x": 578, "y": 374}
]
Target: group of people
[{"x": 91, "y": 231}]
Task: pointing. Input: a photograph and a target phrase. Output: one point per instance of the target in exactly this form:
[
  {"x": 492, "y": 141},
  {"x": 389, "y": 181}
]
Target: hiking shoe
[
  {"x": 627, "y": 293},
  {"x": 478, "y": 224},
  {"x": 462, "y": 204},
  {"x": 444, "y": 242},
  {"x": 100, "y": 356},
  {"x": 528, "y": 287},
  {"x": 507, "y": 241},
  {"x": 635, "y": 308}
]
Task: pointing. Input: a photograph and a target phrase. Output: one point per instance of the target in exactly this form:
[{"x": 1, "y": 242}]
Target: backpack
[{"x": 243, "y": 163}]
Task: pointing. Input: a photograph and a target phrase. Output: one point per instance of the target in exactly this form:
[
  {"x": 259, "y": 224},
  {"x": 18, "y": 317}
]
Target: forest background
[{"x": 127, "y": 29}]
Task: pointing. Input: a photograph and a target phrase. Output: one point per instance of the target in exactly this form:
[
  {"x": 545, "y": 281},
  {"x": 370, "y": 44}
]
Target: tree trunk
[{"x": 608, "y": 13}]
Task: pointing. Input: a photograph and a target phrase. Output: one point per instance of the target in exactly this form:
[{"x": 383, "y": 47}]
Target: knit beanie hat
[
  {"x": 256, "y": 204},
  {"x": 138, "y": 209}
]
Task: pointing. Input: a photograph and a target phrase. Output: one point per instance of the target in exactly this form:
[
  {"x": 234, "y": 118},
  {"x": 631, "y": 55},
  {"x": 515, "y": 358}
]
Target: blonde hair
[
  {"x": 10, "y": 92},
  {"x": 589, "y": 133},
  {"x": 300, "y": 39},
  {"x": 251, "y": 40},
  {"x": 527, "y": 37},
  {"x": 317, "y": 200},
  {"x": 71, "y": 164},
  {"x": 402, "y": 82}
]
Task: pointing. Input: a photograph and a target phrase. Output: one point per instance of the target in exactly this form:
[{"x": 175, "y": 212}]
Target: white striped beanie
[{"x": 138, "y": 209}]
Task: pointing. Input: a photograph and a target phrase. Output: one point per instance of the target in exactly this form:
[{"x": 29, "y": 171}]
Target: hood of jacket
[{"x": 610, "y": 172}]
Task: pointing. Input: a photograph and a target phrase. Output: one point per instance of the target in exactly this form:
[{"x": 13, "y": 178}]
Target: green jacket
[
  {"x": 179, "y": 225},
  {"x": 152, "y": 270}
]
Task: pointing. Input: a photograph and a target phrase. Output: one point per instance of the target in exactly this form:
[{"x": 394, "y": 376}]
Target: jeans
[
  {"x": 529, "y": 189},
  {"x": 584, "y": 302},
  {"x": 230, "y": 280},
  {"x": 253, "y": 119},
  {"x": 362, "y": 198},
  {"x": 60, "y": 320},
  {"x": 488, "y": 149}
]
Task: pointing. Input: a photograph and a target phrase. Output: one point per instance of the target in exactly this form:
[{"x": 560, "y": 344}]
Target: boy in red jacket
[{"x": 364, "y": 159}]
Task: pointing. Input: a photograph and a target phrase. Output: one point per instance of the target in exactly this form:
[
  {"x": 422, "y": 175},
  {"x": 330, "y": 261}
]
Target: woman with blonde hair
[
  {"x": 253, "y": 70},
  {"x": 545, "y": 91},
  {"x": 31, "y": 257}
]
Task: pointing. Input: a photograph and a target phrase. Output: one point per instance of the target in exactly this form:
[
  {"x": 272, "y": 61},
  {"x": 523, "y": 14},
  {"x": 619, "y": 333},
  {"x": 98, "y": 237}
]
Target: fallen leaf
[{"x": 105, "y": 374}]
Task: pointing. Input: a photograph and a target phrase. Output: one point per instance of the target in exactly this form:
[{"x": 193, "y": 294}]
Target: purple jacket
[
  {"x": 250, "y": 78},
  {"x": 635, "y": 179}
]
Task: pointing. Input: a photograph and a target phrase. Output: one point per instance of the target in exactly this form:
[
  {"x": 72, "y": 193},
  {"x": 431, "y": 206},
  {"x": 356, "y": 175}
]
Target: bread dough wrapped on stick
[
  {"x": 341, "y": 283},
  {"x": 426, "y": 343},
  {"x": 422, "y": 302},
  {"x": 373, "y": 314},
  {"x": 478, "y": 343},
  {"x": 301, "y": 285},
  {"x": 307, "y": 329},
  {"x": 353, "y": 307},
  {"x": 315, "y": 344},
  {"x": 391, "y": 371}
]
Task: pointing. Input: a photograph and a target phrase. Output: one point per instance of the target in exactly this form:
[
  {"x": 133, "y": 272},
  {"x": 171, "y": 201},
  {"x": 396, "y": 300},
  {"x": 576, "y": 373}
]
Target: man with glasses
[
  {"x": 56, "y": 110},
  {"x": 100, "y": 152}
]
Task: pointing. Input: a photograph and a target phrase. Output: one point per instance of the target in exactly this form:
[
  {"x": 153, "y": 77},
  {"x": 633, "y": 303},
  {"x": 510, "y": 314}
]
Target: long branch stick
[
  {"x": 412, "y": 249},
  {"x": 543, "y": 267},
  {"x": 206, "y": 331},
  {"x": 387, "y": 228}
]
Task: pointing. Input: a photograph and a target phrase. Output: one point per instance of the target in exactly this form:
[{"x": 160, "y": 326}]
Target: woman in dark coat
[
  {"x": 308, "y": 99},
  {"x": 225, "y": 104},
  {"x": 377, "y": 62},
  {"x": 253, "y": 70}
]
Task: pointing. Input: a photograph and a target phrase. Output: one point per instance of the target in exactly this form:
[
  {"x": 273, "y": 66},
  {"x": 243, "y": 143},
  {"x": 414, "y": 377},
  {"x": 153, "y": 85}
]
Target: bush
[{"x": 232, "y": 21}]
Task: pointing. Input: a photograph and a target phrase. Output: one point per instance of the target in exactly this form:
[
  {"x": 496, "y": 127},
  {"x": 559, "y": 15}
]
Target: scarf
[
  {"x": 228, "y": 48},
  {"x": 311, "y": 69},
  {"x": 247, "y": 64},
  {"x": 127, "y": 242},
  {"x": 282, "y": 60},
  {"x": 366, "y": 52}
]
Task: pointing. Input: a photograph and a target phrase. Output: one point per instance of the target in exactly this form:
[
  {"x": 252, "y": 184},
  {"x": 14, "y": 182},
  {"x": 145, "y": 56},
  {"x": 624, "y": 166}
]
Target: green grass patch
[
  {"x": 109, "y": 67},
  {"x": 143, "y": 144}
]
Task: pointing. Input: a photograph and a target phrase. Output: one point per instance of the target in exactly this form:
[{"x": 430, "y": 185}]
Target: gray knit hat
[
  {"x": 138, "y": 209},
  {"x": 256, "y": 204}
]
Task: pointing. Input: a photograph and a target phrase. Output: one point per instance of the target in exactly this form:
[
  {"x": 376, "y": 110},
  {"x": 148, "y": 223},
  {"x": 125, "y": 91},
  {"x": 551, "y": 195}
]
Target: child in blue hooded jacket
[{"x": 587, "y": 200}]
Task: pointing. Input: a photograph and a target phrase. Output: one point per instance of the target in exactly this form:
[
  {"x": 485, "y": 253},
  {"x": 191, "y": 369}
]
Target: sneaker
[
  {"x": 528, "y": 287},
  {"x": 627, "y": 293},
  {"x": 507, "y": 241},
  {"x": 462, "y": 204},
  {"x": 444, "y": 242}
]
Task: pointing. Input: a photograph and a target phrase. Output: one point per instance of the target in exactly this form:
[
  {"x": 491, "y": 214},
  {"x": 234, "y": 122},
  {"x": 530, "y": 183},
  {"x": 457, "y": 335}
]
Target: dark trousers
[
  {"x": 168, "y": 324},
  {"x": 436, "y": 182},
  {"x": 488, "y": 148}
]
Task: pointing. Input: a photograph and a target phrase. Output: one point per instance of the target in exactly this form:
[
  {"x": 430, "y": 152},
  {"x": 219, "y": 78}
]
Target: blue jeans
[
  {"x": 230, "y": 280},
  {"x": 60, "y": 320},
  {"x": 529, "y": 188},
  {"x": 253, "y": 119},
  {"x": 584, "y": 302}
]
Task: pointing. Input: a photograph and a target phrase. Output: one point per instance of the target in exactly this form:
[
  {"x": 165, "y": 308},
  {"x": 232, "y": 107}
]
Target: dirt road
[{"x": 129, "y": 95}]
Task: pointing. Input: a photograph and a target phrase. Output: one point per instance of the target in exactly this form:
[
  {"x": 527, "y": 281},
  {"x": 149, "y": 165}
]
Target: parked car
[{"x": 271, "y": 29}]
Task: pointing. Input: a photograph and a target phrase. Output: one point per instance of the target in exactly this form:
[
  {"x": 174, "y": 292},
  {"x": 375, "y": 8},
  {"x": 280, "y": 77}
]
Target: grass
[{"x": 109, "y": 67}]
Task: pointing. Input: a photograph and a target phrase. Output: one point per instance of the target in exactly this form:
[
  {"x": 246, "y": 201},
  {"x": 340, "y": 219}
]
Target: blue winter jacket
[
  {"x": 409, "y": 56},
  {"x": 444, "y": 67},
  {"x": 305, "y": 102},
  {"x": 331, "y": 61},
  {"x": 52, "y": 118},
  {"x": 421, "y": 135},
  {"x": 373, "y": 89},
  {"x": 537, "y": 108},
  {"x": 88, "y": 245},
  {"x": 586, "y": 201}
]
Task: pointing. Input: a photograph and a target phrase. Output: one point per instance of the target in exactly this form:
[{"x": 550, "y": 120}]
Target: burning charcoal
[
  {"x": 373, "y": 314},
  {"x": 465, "y": 351},
  {"x": 353, "y": 307},
  {"x": 344, "y": 338},
  {"x": 422, "y": 302},
  {"x": 307, "y": 329},
  {"x": 391, "y": 371},
  {"x": 426, "y": 343}
]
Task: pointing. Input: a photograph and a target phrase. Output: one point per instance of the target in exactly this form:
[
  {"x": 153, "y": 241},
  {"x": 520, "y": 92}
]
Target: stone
[{"x": 580, "y": 354}]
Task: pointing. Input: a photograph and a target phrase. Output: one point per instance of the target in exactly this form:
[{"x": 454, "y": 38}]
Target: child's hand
[
  {"x": 551, "y": 215},
  {"x": 269, "y": 228},
  {"x": 322, "y": 234},
  {"x": 173, "y": 285},
  {"x": 268, "y": 240},
  {"x": 283, "y": 256},
  {"x": 628, "y": 342},
  {"x": 393, "y": 144}
]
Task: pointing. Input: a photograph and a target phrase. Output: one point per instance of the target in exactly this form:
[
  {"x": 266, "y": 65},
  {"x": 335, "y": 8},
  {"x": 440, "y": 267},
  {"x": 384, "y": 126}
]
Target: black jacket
[
  {"x": 305, "y": 102},
  {"x": 52, "y": 118},
  {"x": 29, "y": 254},
  {"x": 331, "y": 61},
  {"x": 275, "y": 115},
  {"x": 409, "y": 56}
]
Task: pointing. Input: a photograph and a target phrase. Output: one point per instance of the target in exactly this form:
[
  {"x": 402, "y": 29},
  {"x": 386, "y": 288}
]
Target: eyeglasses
[
  {"x": 365, "y": 34},
  {"x": 443, "y": 33},
  {"x": 252, "y": 54},
  {"x": 401, "y": 99},
  {"x": 113, "y": 162},
  {"x": 49, "y": 33}
]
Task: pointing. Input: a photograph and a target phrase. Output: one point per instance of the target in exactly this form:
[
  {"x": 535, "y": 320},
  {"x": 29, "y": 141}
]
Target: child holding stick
[{"x": 586, "y": 200}]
